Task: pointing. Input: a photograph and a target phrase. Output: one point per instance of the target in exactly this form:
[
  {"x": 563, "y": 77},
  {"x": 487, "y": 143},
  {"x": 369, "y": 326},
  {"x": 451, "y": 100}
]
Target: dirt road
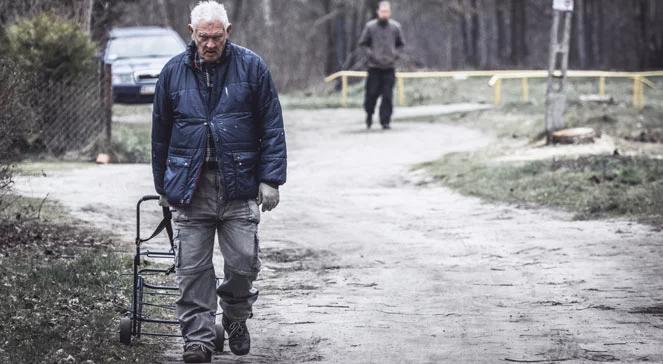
[{"x": 363, "y": 266}]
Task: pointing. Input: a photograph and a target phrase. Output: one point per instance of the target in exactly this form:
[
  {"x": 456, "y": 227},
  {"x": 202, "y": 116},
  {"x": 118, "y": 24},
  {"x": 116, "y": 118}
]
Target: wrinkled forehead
[{"x": 211, "y": 28}]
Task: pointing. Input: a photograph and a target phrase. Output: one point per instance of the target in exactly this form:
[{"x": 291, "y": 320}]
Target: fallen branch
[
  {"x": 535, "y": 360},
  {"x": 330, "y": 306},
  {"x": 41, "y": 204},
  {"x": 418, "y": 314},
  {"x": 296, "y": 323}
]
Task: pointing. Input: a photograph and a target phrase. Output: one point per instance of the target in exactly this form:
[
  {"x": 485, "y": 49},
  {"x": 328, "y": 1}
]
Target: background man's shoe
[
  {"x": 369, "y": 121},
  {"x": 386, "y": 126},
  {"x": 239, "y": 340},
  {"x": 197, "y": 353}
]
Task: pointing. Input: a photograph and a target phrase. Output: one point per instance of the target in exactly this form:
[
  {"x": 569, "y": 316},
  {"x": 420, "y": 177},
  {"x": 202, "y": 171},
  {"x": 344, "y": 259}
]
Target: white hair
[{"x": 209, "y": 11}]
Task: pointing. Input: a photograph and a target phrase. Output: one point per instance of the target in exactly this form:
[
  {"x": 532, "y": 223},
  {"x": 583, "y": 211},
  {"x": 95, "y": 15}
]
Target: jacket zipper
[
  {"x": 210, "y": 127},
  {"x": 207, "y": 123}
]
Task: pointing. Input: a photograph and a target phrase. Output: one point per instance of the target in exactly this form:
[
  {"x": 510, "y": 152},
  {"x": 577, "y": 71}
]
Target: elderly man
[
  {"x": 382, "y": 40},
  {"x": 218, "y": 152}
]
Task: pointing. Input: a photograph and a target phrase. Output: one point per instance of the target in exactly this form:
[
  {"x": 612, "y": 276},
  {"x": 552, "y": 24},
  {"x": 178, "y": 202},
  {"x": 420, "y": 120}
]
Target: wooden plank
[
  {"x": 524, "y": 89},
  {"x": 344, "y": 90},
  {"x": 636, "y": 92},
  {"x": 497, "y": 99},
  {"x": 401, "y": 91}
]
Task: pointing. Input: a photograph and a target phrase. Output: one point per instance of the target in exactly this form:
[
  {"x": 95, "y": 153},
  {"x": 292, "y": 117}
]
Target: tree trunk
[
  {"x": 581, "y": 44},
  {"x": 518, "y": 25},
  {"x": 85, "y": 17}
]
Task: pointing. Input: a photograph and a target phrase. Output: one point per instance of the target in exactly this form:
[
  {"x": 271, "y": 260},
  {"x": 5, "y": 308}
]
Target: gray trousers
[{"x": 236, "y": 223}]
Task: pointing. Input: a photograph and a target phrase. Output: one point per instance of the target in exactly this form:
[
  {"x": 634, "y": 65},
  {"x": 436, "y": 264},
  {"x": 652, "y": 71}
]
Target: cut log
[
  {"x": 574, "y": 136},
  {"x": 598, "y": 99}
]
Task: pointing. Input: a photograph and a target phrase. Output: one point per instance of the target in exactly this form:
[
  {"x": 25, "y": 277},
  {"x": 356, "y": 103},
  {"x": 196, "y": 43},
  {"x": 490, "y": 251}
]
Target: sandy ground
[{"x": 363, "y": 266}]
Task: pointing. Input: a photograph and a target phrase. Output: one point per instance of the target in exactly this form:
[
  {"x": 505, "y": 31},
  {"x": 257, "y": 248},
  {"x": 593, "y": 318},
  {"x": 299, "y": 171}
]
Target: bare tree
[{"x": 303, "y": 40}]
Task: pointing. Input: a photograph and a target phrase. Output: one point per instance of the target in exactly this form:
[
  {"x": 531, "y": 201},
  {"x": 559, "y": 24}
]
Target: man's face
[
  {"x": 384, "y": 12},
  {"x": 210, "y": 38}
]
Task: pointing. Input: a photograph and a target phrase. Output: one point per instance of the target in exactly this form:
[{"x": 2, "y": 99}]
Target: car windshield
[{"x": 144, "y": 46}]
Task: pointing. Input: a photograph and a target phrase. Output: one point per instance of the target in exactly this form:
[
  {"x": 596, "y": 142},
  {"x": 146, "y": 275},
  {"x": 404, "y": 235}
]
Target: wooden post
[
  {"x": 85, "y": 20},
  {"x": 524, "y": 86},
  {"x": 638, "y": 93},
  {"x": 401, "y": 91},
  {"x": 636, "y": 85},
  {"x": 106, "y": 88},
  {"x": 642, "y": 94},
  {"x": 344, "y": 90},
  {"x": 557, "y": 67},
  {"x": 602, "y": 86},
  {"x": 497, "y": 97}
]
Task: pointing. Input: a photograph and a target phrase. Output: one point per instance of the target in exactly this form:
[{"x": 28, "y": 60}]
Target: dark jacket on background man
[
  {"x": 383, "y": 41},
  {"x": 243, "y": 116}
]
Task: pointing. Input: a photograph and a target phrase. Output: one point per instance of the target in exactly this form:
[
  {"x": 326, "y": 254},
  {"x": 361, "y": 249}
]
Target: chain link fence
[{"x": 75, "y": 113}]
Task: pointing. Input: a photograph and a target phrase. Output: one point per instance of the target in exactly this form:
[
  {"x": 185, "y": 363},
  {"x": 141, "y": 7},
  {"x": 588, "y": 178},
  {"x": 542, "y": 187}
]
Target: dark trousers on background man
[{"x": 380, "y": 82}]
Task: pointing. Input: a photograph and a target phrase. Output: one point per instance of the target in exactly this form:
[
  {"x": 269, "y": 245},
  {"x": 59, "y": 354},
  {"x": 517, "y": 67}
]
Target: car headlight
[{"x": 123, "y": 78}]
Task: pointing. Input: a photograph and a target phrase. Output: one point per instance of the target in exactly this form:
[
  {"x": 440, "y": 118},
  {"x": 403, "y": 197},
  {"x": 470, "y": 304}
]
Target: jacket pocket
[
  {"x": 246, "y": 173},
  {"x": 176, "y": 178}
]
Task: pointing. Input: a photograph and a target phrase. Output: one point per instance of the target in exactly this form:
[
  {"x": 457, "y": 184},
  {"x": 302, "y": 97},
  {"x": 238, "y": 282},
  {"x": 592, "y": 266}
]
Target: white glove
[
  {"x": 163, "y": 202},
  {"x": 268, "y": 196}
]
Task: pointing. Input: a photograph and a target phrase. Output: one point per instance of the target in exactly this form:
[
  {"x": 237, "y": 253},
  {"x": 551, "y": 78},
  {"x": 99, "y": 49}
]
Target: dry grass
[{"x": 64, "y": 290}]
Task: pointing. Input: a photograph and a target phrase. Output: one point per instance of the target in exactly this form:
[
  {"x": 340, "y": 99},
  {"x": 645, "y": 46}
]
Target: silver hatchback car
[{"x": 137, "y": 55}]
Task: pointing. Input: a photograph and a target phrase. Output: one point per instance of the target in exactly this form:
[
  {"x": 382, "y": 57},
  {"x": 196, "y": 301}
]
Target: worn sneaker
[
  {"x": 197, "y": 353},
  {"x": 239, "y": 340}
]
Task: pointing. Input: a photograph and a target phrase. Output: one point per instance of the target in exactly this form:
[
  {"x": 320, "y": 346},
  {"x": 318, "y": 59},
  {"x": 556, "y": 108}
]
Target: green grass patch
[
  {"x": 417, "y": 92},
  {"x": 132, "y": 113},
  {"x": 19, "y": 209},
  {"x": 66, "y": 308},
  {"x": 64, "y": 290},
  {"x": 131, "y": 143},
  {"x": 526, "y": 121},
  {"x": 428, "y": 91},
  {"x": 39, "y": 168},
  {"x": 590, "y": 186}
]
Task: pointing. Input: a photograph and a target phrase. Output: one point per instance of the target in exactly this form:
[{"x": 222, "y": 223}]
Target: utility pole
[
  {"x": 85, "y": 15},
  {"x": 557, "y": 67}
]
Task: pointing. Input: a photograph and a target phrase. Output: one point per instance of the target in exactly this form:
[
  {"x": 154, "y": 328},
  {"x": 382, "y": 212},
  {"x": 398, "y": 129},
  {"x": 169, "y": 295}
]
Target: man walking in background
[
  {"x": 218, "y": 152},
  {"x": 382, "y": 40}
]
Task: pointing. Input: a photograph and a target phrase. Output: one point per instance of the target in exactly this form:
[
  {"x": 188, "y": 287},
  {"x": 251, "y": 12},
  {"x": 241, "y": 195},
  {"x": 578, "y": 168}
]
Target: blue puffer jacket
[{"x": 246, "y": 126}]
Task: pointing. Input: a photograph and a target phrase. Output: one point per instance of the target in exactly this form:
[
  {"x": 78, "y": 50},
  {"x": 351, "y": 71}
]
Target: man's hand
[
  {"x": 163, "y": 202},
  {"x": 268, "y": 197}
]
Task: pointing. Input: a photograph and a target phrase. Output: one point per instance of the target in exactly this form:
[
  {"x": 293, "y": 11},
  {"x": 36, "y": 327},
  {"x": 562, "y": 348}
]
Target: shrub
[
  {"x": 61, "y": 61},
  {"x": 16, "y": 119},
  {"x": 51, "y": 47}
]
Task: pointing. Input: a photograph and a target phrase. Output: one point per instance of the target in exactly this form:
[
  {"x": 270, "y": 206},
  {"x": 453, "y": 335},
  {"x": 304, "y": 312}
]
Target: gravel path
[{"x": 361, "y": 265}]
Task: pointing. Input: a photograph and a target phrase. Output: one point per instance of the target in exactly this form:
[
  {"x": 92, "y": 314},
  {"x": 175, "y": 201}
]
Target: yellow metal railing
[
  {"x": 496, "y": 77},
  {"x": 401, "y": 76},
  {"x": 639, "y": 80}
]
